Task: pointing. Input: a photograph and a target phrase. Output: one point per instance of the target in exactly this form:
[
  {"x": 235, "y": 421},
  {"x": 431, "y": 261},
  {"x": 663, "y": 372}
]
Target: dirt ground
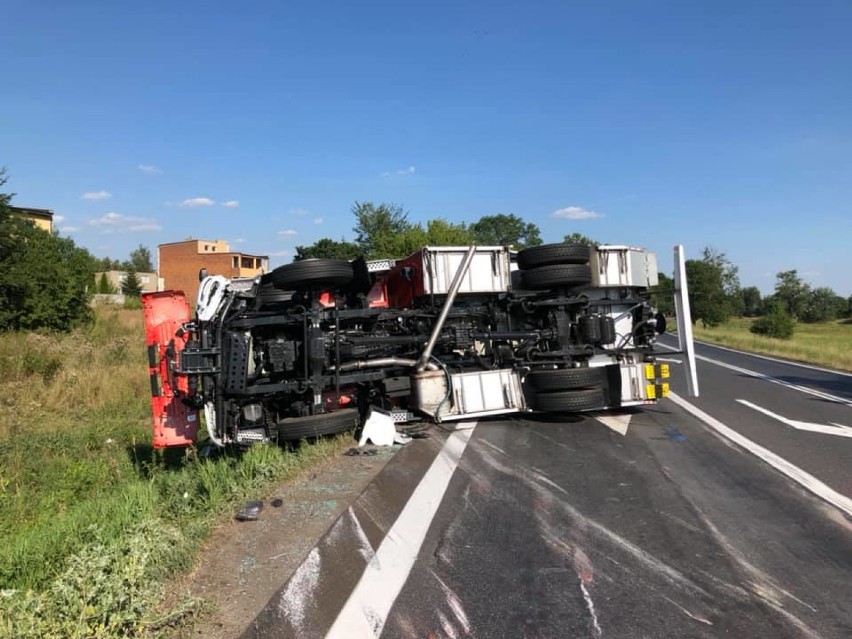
[{"x": 245, "y": 563}]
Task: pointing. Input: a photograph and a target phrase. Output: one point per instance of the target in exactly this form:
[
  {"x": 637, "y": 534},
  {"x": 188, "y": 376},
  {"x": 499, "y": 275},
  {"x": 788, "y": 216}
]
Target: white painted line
[
  {"x": 776, "y": 359},
  {"x": 838, "y": 429},
  {"x": 774, "y": 380},
  {"x": 618, "y": 422},
  {"x": 766, "y": 357},
  {"x": 365, "y": 612},
  {"x": 792, "y": 471}
]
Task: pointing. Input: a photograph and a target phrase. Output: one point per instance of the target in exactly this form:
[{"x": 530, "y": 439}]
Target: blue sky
[{"x": 653, "y": 123}]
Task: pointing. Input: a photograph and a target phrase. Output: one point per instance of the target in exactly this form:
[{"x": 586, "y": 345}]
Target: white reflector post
[{"x": 684, "y": 321}]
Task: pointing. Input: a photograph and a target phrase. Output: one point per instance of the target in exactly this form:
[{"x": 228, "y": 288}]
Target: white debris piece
[{"x": 380, "y": 430}]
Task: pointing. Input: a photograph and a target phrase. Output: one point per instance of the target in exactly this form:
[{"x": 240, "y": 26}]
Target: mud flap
[{"x": 174, "y": 423}]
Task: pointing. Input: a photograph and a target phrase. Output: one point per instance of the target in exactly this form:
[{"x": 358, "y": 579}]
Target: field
[
  {"x": 828, "y": 344},
  {"x": 92, "y": 522}
]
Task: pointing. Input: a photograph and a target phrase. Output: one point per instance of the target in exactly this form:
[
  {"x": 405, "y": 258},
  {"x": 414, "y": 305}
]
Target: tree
[
  {"x": 730, "y": 279},
  {"x": 440, "y": 232},
  {"x": 328, "y": 249},
  {"x": 104, "y": 287},
  {"x": 505, "y": 230},
  {"x": 44, "y": 278},
  {"x": 579, "y": 238},
  {"x": 714, "y": 288},
  {"x": 707, "y": 299},
  {"x": 791, "y": 293},
  {"x": 662, "y": 295},
  {"x": 823, "y": 305},
  {"x": 376, "y": 226},
  {"x": 752, "y": 301},
  {"x": 140, "y": 259},
  {"x": 131, "y": 285},
  {"x": 108, "y": 264}
]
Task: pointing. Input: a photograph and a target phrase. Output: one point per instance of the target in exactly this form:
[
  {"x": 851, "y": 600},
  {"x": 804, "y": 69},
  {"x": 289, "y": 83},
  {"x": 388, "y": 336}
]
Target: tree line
[
  {"x": 716, "y": 295},
  {"x": 46, "y": 280}
]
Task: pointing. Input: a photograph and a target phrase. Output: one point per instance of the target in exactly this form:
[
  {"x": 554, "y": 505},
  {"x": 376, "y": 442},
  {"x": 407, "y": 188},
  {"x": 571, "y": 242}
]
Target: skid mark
[
  {"x": 590, "y": 606},
  {"x": 761, "y": 584},
  {"x": 454, "y": 604},
  {"x": 687, "y": 612},
  {"x": 650, "y": 562},
  {"x": 485, "y": 442}
]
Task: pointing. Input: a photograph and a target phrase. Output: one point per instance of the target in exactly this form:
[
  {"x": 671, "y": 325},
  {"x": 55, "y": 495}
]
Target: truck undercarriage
[{"x": 444, "y": 334}]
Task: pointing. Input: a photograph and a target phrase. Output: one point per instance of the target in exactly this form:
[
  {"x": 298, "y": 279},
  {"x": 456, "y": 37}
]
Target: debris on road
[{"x": 250, "y": 512}]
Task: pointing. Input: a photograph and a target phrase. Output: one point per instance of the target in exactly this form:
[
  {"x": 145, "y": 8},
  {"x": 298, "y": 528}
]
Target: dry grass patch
[
  {"x": 91, "y": 520},
  {"x": 827, "y": 344}
]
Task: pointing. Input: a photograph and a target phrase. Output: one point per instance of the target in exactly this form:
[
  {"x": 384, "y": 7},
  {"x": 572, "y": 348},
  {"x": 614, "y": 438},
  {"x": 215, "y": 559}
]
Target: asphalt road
[{"x": 535, "y": 527}]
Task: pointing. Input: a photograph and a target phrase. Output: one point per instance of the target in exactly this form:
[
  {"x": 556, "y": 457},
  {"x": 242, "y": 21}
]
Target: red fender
[{"x": 174, "y": 423}]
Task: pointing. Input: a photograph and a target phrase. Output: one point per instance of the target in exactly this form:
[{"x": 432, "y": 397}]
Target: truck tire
[
  {"x": 567, "y": 275},
  {"x": 548, "y": 254},
  {"x": 296, "y": 428},
  {"x": 571, "y": 401},
  {"x": 268, "y": 296},
  {"x": 305, "y": 273},
  {"x": 563, "y": 379}
]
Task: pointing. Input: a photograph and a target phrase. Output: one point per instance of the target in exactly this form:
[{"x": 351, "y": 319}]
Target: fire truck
[{"x": 445, "y": 334}]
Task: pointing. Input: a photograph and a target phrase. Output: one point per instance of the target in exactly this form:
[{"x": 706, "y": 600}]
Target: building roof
[
  {"x": 228, "y": 252},
  {"x": 46, "y": 214}
]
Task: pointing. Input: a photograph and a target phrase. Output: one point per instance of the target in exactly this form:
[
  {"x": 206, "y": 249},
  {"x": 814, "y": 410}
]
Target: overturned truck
[{"x": 447, "y": 333}]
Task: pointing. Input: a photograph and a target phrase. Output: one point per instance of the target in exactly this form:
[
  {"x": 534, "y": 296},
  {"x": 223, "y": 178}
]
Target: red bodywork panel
[
  {"x": 404, "y": 282},
  {"x": 175, "y": 424}
]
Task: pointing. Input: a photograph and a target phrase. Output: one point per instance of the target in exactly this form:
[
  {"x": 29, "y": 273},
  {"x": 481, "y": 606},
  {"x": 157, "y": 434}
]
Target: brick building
[{"x": 178, "y": 263}]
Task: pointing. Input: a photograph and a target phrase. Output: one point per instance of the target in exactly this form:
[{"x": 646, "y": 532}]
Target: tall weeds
[{"x": 91, "y": 520}]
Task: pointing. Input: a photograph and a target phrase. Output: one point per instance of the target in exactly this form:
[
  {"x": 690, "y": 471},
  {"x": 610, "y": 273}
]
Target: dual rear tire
[
  {"x": 566, "y": 390},
  {"x": 550, "y": 266}
]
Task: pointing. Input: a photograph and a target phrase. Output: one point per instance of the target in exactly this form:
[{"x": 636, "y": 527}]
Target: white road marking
[
  {"x": 617, "y": 422},
  {"x": 836, "y": 429},
  {"x": 774, "y": 359},
  {"x": 774, "y": 380},
  {"x": 792, "y": 471},
  {"x": 365, "y": 612}
]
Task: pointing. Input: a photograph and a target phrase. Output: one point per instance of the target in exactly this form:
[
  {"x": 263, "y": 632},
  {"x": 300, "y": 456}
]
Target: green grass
[
  {"x": 92, "y": 521},
  {"x": 827, "y": 344}
]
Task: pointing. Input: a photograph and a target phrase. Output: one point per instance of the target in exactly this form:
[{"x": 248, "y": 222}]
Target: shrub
[{"x": 776, "y": 324}]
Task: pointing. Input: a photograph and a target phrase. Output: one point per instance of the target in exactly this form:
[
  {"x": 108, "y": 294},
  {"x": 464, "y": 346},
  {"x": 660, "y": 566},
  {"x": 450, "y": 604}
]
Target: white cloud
[
  {"x": 69, "y": 229},
  {"x": 230, "y": 204},
  {"x": 96, "y": 195},
  {"x": 192, "y": 202},
  {"x": 318, "y": 220},
  {"x": 146, "y": 225},
  {"x": 576, "y": 213},
  {"x": 240, "y": 240},
  {"x": 58, "y": 219},
  {"x": 288, "y": 232},
  {"x": 150, "y": 169},
  {"x": 298, "y": 212},
  {"x": 109, "y": 218},
  {"x": 114, "y": 222},
  {"x": 409, "y": 171}
]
